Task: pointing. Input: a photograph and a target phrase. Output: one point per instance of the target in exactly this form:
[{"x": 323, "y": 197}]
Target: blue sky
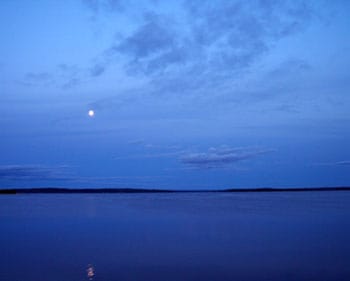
[{"x": 186, "y": 94}]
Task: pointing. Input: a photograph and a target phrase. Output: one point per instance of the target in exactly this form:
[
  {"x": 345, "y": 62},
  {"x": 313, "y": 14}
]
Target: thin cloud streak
[
  {"x": 33, "y": 172},
  {"x": 337, "y": 163},
  {"x": 216, "y": 158}
]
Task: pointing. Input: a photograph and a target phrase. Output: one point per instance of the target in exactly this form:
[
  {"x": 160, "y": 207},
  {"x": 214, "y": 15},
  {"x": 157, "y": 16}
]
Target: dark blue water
[{"x": 176, "y": 237}]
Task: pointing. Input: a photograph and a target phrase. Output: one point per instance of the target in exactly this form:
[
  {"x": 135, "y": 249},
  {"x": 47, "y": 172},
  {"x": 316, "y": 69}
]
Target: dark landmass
[
  {"x": 80, "y": 190},
  {"x": 140, "y": 190},
  {"x": 280, "y": 189}
]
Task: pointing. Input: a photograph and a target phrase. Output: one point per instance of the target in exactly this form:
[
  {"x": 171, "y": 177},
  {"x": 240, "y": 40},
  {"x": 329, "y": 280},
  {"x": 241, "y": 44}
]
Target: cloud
[
  {"x": 154, "y": 45},
  {"x": 289, "y": 67},
  {"x": 69, "y": 75},
  {"x": 217, "y": 36},
  {"x": 334, "y": 164},
  {"x": 152, "y": 37},
  {"x": 32, "y": 173},
  {"x": 283, "y": 79},
  {"x": 38, "y": 78},
  {"x": 97, "y": 70},
  {"x": 204, "y": 52},
  {"x": 151, "y": 155},
  {"x": 151, "y": 150},
  {"x": 220, "y": 157},
  {"x": 200, "y": 45},
  {"x": 98, "y": 6},
  {"x": 337, "y": 163},
  {"x": 343, "y": 163},
  {"x": 137, "y": 142},
  {"x": 19, "y": 174},
  {"x": 41, "y": 76},
  {"x": 64, "y": 76},
  {"x": 234, "y": 34}
]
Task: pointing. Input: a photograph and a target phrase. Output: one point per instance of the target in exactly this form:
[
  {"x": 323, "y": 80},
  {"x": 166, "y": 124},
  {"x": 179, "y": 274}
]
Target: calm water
[{"x": 176, "y": 237}]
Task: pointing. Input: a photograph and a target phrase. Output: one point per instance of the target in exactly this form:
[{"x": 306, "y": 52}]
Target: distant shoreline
[{"x": 54, "y": 190}]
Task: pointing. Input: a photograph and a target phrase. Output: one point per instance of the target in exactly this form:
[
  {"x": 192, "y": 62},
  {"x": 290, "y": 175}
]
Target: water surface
[{"x": 176, "y": 236}]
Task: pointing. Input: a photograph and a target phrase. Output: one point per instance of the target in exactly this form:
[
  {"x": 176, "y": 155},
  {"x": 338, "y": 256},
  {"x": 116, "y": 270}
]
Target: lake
[{"x": 175, "y": 236}]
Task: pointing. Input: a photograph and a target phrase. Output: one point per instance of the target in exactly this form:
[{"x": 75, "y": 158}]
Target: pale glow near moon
[{"x": 91, "y": 113}]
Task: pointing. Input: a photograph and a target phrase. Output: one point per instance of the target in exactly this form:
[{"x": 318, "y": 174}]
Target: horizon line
[{"x": 47, "y": 190}]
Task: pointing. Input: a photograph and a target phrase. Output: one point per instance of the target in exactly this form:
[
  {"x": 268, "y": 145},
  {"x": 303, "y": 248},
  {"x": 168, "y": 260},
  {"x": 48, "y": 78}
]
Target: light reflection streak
[{"x": 90, "y": 271}]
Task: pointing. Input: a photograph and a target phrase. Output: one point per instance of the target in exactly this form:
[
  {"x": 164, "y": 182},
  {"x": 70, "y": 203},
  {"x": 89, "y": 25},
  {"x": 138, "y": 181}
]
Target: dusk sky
[{"x": 185, "y": 94}]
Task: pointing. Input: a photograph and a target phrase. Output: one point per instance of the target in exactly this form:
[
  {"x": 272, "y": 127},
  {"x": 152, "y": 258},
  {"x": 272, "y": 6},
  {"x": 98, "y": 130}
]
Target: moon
[{"x": 91, "y": 113}]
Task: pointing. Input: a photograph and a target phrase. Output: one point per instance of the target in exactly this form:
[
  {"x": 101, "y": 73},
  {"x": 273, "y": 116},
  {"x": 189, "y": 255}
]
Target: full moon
[{"x": 91, "y": 113}]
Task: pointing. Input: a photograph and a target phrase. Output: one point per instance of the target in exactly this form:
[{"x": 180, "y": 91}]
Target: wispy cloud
[
  {"x": 199, "y": 56},
  {"x": 223, "y": 37},
  {"x": 33, "y": 172},
  {"x": 343, "y": 163},
  {"x": 97, "y": 70},
  {"x": 201, "y": 51},
  {"x": 98, "y": 6},
  {"x": 336, "y": 163},
  {"x": 38, "y": 78},
  {"x": 220, "y": 157},
  {"x": 64, "y": 76},
  {"x": 30, "y": 174}
]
